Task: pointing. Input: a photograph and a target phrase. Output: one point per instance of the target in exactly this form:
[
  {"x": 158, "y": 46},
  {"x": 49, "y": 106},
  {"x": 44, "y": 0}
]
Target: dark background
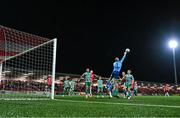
[{"x": 91, "y": 33}]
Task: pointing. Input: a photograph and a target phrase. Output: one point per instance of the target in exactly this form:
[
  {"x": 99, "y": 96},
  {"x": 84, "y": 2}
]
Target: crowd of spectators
[{"x": 144, "y": 88}]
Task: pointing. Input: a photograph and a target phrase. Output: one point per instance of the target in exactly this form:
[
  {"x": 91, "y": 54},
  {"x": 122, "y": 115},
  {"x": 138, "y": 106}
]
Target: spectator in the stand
[
  {"x": 166, "y": 90},
  {"x": 49, "y": 81},
  {"x": 135, "y": 88}
]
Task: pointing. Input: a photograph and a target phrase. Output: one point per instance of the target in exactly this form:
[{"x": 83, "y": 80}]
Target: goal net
[{"x": 27, "y": 65}]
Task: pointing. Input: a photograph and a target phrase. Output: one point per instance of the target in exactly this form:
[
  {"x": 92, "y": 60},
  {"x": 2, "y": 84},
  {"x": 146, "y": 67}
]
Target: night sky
[{"x": 91, "y": 33}]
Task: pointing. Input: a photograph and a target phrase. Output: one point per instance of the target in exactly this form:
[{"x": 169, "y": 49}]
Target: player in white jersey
[{"x": 72, "y": 87}]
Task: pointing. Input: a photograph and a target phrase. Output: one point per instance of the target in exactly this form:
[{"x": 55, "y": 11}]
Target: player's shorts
[
  {"x": 109, "y": 88},
  {"x": 66, "y": 88},
  {"x": 87, "y": 84},
  {"x": 115, "y": 74},
  {"x": 135, "y": 91},
  {"x": 72, "y": 89},
  {"x": 100, "y": 89},
  {"x": 116, "y": 85},
  {"x": 127, "y": 85},
  {"x": 119, "y": 82}
]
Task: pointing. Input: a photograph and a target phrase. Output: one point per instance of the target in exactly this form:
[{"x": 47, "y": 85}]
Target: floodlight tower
[{"x": 173, "y": 44}]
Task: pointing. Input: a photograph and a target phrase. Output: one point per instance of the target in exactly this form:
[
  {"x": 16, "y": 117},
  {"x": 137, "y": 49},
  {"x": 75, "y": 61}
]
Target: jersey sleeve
[
  {"x": 122, "y": 59},
  {"x": 82, "y": 76},
  {"x": 132, "y": 77}
]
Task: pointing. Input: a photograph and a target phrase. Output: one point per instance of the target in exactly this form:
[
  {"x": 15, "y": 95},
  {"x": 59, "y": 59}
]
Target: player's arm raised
[
  {"x": 126, "y": 51},
  {"x": 96, "y": 75},
  {"x": 123, "y": 78},
  {"x": 81, "y": 77}
]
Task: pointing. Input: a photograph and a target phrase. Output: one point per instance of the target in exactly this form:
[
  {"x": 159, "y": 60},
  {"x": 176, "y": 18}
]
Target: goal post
[
  {"x": 54, "y": 68},
  {"x": 27, "y": 65}
]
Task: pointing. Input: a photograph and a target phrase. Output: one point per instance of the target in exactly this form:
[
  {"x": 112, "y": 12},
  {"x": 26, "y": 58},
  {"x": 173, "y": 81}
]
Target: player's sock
[
  {"x": 117, "y": 93},
  {"x": 110, "y": 94},
  {"x": 135, "y": 93},
  {"x": 127, "y": 93},
  {"x": 87, "y": 91},
  {"x": 130, "y": 93},
  {"x": 124, "y": 92},
  {"x": 90, "y": 91},
  {"x": 167, "y": 94},
  {"x": 99, "y": 93},
  {"x": 89, "y": 95}
]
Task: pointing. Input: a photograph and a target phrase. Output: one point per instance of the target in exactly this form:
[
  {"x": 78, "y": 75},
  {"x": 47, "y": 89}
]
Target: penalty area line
[{"x": 126, "y": 104}]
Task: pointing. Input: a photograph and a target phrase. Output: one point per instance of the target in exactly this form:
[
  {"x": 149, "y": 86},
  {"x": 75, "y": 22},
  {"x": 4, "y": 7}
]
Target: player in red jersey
[
  {"x": 122, "y": 79},
  {"x": 92, "y": 75},
  {"x": 92, "y": 81},
  {"x": 49, "y": 81},
  {"x": 48, "y": 86}
]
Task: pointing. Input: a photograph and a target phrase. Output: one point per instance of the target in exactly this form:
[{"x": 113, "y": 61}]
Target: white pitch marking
[{"x": 128, "y": 104}]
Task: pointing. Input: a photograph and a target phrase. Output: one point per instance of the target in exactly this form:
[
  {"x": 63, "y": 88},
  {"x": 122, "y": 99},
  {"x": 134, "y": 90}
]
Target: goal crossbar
[{"x": 19, "y": 54}]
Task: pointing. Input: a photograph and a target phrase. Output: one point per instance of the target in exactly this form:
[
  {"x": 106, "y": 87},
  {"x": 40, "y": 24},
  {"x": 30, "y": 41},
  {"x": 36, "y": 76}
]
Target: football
[{"x": 127, "y": 50}]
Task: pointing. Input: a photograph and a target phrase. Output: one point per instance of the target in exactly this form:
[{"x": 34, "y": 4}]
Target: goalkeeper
[{"x": 117, "y": 66}]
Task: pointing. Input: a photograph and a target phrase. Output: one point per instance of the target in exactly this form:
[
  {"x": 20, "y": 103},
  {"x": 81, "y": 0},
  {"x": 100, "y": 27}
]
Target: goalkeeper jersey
[{"x": 118, "y": 64}]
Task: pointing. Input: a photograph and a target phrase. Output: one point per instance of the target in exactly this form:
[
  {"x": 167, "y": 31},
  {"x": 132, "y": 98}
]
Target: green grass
[{"x": 102, "y": 107}]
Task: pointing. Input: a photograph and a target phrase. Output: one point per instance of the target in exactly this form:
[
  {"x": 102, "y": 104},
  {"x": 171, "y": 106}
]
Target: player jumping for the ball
[{"x": 117, "y": 65}]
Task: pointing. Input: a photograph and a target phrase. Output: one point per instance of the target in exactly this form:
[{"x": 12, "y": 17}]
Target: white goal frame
[{"x": 53, "y": 73}]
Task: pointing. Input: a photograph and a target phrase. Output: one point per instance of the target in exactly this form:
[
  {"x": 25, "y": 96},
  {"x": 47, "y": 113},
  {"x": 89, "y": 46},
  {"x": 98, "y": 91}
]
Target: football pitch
[{"x": 78, "y": 106}]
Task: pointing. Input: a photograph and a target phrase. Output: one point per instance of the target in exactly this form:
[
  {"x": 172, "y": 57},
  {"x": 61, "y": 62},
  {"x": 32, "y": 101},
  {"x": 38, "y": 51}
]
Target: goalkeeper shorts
[{"x": 115, "y": 74}]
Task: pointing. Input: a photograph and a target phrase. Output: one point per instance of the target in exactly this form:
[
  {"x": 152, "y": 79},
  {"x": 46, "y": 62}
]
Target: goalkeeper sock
[{"x": 110, "y": 94}]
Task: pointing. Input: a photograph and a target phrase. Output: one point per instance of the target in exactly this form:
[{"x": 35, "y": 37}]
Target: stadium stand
[{"x": 20, "y": 84}]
